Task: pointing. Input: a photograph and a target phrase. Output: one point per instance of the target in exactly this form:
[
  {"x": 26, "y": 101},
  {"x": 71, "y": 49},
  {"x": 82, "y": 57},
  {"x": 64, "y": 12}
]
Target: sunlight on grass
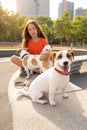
[{"x": 8, "y": 47}]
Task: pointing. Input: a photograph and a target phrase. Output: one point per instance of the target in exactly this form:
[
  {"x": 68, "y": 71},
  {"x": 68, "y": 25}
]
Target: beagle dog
[
  {"x": 31, "y": 62},
  {"x": 56, "y": 77}
]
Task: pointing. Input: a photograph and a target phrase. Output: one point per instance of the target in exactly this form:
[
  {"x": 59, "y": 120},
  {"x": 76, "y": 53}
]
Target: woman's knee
[
  {"x": 13, "y": 58},
  {"x": 16, "y": 60}
]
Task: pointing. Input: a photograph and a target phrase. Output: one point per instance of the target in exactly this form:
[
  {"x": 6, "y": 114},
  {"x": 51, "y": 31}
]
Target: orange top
[{"x": 36, "y": 47}]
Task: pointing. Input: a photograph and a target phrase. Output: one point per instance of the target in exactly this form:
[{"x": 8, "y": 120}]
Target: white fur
[
  {"x": 49, "y": 81},
  {"x": 47, "y": 47},
  {"x": 31, "y": 66}
]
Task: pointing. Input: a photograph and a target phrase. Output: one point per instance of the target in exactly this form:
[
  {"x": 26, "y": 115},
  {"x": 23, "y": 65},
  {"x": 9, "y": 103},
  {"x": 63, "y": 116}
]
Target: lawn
[{"x": 8, "y": 47}]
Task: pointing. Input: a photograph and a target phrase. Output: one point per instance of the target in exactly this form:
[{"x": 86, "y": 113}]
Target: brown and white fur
[
  {"x": 52, "y": 79},
  {"x": 31, "y": 62}
]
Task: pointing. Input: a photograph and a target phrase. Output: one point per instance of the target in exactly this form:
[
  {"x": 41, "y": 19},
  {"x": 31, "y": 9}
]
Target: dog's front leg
[
  {"x": 27, "y": 71},
  {"x": 64, "y": 93},
  {"x": 40, "y": 70},
  {"x": 51, "y": 96},
  {"x": 31, "y": 72}
]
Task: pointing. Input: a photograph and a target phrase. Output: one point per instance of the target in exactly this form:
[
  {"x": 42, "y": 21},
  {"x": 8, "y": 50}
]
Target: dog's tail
[{"x": 22, "y": 92}]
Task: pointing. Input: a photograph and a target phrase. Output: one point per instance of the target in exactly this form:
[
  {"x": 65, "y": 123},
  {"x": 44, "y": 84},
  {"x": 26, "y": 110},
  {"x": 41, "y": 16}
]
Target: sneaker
[{"x": 23, "y": 74}]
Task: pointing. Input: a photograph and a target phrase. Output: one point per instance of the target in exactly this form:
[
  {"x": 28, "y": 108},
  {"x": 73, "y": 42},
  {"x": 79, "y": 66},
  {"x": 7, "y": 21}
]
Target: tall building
[
  {"x": 66, "y": 6},
  {"x": 33, "y": 7},
  {"x": 80, "y": 11},
  {"x": 70, "y": 9}
]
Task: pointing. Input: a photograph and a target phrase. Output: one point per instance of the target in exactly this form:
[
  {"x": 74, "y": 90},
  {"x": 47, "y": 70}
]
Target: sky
[
  {"x": 54, "y": 4},
  {"x": 11, "y": 4}
]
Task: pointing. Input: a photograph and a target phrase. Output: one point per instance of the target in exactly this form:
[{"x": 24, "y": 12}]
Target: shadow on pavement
[
  {"x": 79, "y": 79},
  {"x": 67, "y": 115}
]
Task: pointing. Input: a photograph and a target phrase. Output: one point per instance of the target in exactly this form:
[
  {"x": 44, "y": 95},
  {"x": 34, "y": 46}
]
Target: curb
[
  {"x": 33, "y": 116},
  {"x": 7, "y": 53}
]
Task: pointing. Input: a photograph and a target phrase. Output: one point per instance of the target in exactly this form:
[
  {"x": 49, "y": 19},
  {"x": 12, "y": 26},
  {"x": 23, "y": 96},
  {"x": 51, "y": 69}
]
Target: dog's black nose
[{"x": 65, "y": 63}]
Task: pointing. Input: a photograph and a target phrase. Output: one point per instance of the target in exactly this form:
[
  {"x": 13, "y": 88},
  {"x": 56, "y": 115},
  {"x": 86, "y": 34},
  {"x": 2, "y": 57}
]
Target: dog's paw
[
  {"x": 52, "y": 103},
  {"x": 44, "y": 101},
  {"x": 27, "y": 77},
  {"x": 65, "y": 96}
]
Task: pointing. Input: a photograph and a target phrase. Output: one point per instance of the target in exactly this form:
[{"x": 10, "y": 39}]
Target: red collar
[{"x": 61, "y": 72}]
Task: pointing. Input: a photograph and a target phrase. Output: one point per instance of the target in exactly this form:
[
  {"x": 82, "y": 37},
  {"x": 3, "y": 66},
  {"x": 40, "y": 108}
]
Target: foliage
[
  {"x": 47, "y": 26},
  {"x": 12, "y": 25},
  {"x": 62, "y": 27},
  {"x": 73, "y": 31}
]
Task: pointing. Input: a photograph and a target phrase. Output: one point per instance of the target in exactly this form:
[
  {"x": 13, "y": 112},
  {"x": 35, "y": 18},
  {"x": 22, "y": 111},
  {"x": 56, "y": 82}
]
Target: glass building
[
  {"x": 80, "y": 11},
  {"x": 33, "y": 7},
  {"x": 66, "y": 6}
]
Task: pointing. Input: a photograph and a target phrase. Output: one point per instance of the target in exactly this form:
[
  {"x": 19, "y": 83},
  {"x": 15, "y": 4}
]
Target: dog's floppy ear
[
  {"x": 72, "y": 53},
  {"x": 53, "y": 55},
  {"x": 26, "y": 49},
  {"x": 19, "y": 50}
]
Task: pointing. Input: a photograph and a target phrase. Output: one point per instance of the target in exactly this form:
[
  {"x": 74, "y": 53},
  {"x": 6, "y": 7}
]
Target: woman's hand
[{"x": 44, "y": 56}]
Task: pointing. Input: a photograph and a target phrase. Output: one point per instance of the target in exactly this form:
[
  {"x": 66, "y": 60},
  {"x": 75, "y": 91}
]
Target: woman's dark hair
[{"x": 26, "y": 36}]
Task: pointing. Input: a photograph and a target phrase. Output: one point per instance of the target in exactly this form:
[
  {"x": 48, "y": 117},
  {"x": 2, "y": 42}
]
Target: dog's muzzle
[{"x": 65, "y": 67}]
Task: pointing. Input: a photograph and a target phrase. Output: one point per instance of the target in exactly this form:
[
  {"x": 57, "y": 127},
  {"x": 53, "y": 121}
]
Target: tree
[
  {"x": 83, "y": 28},
  {"x": 12, "y": 25},
  {"x": 62, "y": 27},
  {"x": 46, "y": 25}
]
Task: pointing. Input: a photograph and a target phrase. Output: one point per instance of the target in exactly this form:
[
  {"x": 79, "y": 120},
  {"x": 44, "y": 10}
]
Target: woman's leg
[{"x": 17, "y": 61}]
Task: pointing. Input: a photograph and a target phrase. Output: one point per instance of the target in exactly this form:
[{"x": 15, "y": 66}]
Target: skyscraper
[
  {"x": 66, "y": 6},
  {"x": 80, "y": 11},
  {"x": 32, "y": 7}
]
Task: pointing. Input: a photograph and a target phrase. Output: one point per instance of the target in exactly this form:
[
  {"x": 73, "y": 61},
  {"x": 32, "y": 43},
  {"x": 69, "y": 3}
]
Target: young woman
[{"x": 33, "y": 39}]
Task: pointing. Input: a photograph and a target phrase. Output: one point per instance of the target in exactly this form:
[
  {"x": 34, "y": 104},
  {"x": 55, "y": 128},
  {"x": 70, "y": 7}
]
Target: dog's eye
[{"x": 59, "y": 56}]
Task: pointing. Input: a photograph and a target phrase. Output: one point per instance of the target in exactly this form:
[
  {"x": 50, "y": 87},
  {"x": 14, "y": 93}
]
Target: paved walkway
[
  {"x": 6, "y": 71},
  {"x": 68, "y": 114}
]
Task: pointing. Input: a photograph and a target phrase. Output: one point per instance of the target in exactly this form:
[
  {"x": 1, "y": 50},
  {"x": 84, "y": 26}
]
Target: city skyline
[{"x": 54, "y": 4}]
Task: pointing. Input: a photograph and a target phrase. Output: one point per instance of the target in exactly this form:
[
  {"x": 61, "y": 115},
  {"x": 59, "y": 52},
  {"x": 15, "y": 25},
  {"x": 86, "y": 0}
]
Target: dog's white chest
[{"x": 57, "y": 79}]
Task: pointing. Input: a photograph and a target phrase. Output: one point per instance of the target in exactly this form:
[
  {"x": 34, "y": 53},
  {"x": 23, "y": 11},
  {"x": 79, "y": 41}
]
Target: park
[{"x": 23, "y": 114}]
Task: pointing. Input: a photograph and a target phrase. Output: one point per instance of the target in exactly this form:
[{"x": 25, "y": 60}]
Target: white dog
[
  {"x": 52, "y": 79},
  {"x": 31, "y": 62}
]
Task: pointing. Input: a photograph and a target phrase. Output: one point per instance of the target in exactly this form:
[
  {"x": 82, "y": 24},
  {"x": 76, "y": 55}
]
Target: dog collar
[
  {"x": 24, "y": 56},
  {"x": 61, "y": 72}
]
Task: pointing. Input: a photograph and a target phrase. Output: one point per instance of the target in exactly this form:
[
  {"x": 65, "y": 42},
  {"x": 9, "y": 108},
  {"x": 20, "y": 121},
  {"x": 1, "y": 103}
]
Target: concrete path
[
  {"x": 6, "y": 71},
  {"x": 68, "y": 114}
]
